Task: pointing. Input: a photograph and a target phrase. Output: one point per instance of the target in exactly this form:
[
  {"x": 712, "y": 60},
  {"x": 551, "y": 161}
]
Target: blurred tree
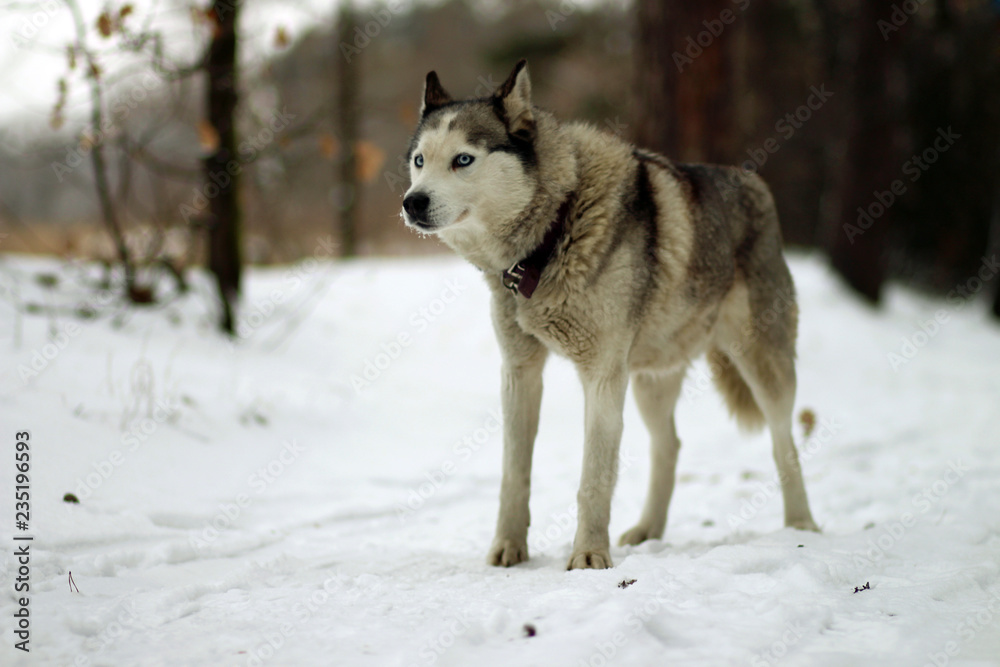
[
  {"x": 953, "y": 68},
  {"x": 102, "y": 184},
  {"x": 996, "y": 304},
  {"x": 347, "y": 187},
  {"x": 684, "y": 78},
  {"x": 858, "y": 249},
  {"x": 224, "y": 215}
]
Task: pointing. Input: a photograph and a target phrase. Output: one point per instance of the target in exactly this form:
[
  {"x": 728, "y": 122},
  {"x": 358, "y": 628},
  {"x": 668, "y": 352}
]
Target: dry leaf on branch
[
  {"x": 280, "y": 37},
  {"x": 370, "y": 159},
  {"x": 208, "y": 137},
  {"x": 328, "y": 145},
  {"x": 105, "y": 26}
]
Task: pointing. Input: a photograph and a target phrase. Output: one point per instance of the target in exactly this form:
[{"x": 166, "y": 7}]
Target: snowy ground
[{"x": 324, "y": 492}]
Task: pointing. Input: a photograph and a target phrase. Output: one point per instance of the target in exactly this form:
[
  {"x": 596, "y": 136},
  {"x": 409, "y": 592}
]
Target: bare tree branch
[{"x": 97, "y": 157}]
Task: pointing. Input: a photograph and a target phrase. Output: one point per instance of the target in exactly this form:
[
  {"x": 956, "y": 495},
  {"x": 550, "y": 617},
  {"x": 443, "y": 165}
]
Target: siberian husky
[{"x": 626, "y": 263}]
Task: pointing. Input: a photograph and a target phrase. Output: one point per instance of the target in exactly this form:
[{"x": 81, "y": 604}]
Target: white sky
[{"x": 34, "y": 35}]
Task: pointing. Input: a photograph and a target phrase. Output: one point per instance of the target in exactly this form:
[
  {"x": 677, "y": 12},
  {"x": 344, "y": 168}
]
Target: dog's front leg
[
  {"x": 521, "y": 398},
  {"x": 604, "y": 396}
]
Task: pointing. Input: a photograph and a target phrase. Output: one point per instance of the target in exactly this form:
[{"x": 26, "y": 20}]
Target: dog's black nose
[{"x": 416, "y": 206}]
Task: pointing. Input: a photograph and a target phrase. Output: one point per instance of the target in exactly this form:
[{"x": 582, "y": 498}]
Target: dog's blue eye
[
  {"x": 418, "y": 161},
  {"x": 463, "y": 160}
]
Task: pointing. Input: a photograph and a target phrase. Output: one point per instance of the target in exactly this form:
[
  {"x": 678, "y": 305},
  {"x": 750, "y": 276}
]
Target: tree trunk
[
  {"x": 996, "y": 300},
  {"x": 684, "y": 78},
  {"x": 858, "y": 247},
  {"x": 347, "y": 126},
  {"x": 224, "y": 219},
  {"x": 992, "y": 249}
]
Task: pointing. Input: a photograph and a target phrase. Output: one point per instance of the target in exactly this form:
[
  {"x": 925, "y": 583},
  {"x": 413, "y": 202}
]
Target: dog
[{"x": 626, "y": 263}]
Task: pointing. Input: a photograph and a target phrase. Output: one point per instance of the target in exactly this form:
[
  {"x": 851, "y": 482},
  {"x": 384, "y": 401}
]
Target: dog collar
[{"x": 523, "y": 276}]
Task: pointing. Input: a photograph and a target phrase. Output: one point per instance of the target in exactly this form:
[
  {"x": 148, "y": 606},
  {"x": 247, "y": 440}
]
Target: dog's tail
[{"x": 734, "y": 389}]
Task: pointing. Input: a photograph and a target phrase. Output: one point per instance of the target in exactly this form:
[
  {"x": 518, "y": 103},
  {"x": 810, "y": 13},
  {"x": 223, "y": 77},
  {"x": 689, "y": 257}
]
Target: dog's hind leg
[
  {"x": 656, "y": 396},
  {"x": 770, "y": 375}
]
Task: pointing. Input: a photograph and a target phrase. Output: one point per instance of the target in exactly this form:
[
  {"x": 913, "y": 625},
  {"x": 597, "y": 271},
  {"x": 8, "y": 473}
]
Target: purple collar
[{"x": 523, "y": 276}]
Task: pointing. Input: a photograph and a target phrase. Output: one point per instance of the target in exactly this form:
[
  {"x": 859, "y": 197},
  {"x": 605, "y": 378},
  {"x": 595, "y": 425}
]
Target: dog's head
[{"x": 472, "y": 162}]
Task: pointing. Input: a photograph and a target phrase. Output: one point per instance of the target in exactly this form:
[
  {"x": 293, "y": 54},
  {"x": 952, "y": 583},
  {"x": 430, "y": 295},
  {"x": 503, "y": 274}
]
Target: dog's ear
[
  {"x": 435, "y": 96},
  {"x": 514, "y": 96}
]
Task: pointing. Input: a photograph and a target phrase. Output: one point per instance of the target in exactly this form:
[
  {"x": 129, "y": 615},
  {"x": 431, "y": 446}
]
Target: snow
[{"x": 264, "y": 503}]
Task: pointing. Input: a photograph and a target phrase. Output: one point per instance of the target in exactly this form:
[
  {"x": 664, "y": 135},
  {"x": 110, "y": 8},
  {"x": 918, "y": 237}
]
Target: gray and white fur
[{"x": 653, "y": 268}]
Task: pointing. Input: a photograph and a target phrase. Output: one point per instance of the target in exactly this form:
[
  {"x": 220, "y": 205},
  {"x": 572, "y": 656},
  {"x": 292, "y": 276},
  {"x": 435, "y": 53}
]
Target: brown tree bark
[
  {"x": 347, "y": 126},
  {"x": 224, "y": 215},
  {"x": 858, "y": 247},
  {"x": 684, "y": 79}
]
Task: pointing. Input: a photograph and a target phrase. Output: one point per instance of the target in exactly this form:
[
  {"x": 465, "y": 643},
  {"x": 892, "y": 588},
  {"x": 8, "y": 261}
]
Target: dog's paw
[
  {"x": 803, "y": 524},
  {"x": 595, "y": 559},
  {"x": 636, "y": 535},
  {"x": 505, "y": 553}
]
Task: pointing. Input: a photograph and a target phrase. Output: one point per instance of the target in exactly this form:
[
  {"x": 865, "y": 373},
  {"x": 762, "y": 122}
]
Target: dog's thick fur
[{"x": 654, "y": 267}]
